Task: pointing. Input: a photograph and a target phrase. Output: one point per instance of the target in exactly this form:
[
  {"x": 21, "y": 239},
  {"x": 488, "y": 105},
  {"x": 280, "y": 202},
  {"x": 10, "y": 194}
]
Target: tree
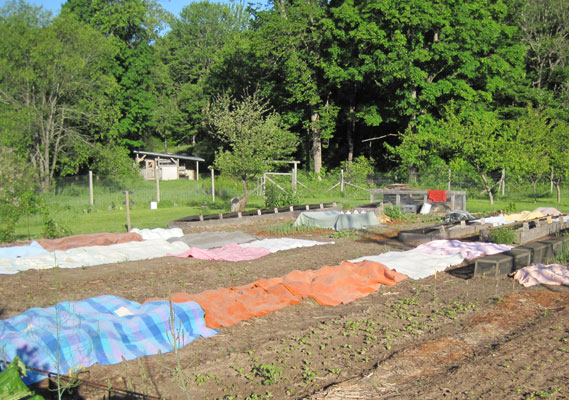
[
  {"x": 544, "y": 26},
  {"x": 559, "y": 153},
  {"x": 131, "y": 26},
  {"x": 464, "y": 135},
  {"x": 252, "y": 134},
  {"x": 531, "y": 138},
  {"x": 189, "y": 52},
  {"x": 287, "y": 43},
  {"x": 17, "y": 192},
  {"x": 54, "y": 84}
]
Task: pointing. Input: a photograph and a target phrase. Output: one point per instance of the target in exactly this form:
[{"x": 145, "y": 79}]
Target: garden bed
[{"x": 432, "y": 338}]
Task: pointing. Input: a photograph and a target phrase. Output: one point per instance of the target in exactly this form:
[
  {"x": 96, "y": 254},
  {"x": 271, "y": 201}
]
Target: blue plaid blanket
[{"x": 82, "y": 333}]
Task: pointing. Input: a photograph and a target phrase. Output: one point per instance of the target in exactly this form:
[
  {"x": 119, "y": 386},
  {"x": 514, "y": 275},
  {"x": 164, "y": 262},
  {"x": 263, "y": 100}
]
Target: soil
[{"x": 446, "y": 336}]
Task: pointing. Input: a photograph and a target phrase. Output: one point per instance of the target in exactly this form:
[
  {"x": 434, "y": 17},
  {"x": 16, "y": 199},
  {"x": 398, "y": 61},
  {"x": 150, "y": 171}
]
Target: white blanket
[
  {"x": 274, "y": 245},
  {"x": 158, "y": 233},
  {"x": 414, "y": 264},
  {"x": 93, "y": 255}
]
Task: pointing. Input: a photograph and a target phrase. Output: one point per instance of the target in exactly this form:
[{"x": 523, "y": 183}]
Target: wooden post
[
  {"x": 294, "y": 178},
  {"x": 212, "y": 185},
  {"x": 197, "y": 170},
  {"x": 91, "y": 202},
  {"x": 342, "y": 180},
  {"x": 157, "y": 180},
  {"x": 127, "y": 202}
]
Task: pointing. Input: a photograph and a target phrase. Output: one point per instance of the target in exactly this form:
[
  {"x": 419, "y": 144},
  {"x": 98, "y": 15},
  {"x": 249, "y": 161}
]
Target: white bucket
[
  {"x": 153, "y": 205},
  {"x": 426, "y": 208}
]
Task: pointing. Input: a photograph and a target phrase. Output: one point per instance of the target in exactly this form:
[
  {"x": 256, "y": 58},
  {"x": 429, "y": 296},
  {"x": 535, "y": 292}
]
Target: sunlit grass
[{"x": 69, "y": 205}]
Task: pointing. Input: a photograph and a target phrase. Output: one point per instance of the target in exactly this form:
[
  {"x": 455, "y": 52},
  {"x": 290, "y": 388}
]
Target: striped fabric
[{"x": 82, "y": 333}]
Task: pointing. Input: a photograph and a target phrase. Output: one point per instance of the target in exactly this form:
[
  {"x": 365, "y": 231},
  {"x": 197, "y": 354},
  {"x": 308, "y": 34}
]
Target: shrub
[
  {"x": 394, "y": 212},
  {"x": 274, "y": 197},
  {"x": 359, "y": 169},
  {"x": 502, "y": 236}
]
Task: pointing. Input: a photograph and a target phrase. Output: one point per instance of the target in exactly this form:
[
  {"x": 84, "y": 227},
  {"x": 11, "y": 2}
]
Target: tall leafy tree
[
  {"x": 132, "y": 26},
  {"x": 287, "y": 42},
  {"x": 544, "y": 28},
  {"x": 466, "y": 52},
  {"x": 189, "y": 52},
  {"x": 54, "y": 83}
]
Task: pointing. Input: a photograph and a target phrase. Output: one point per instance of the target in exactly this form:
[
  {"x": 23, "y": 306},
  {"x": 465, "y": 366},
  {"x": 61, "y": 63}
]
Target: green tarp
[{"x": 336, "y": 220}]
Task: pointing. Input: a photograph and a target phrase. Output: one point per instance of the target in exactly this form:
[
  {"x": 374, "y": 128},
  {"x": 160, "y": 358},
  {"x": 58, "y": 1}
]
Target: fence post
[
  {"x": 157, "y": 179},
  {"x": 91, "y": 202},
  {"x": 342, "y": 181},
  {"x": 128, "y": 227},
  {"x": 212, "y": 185}
]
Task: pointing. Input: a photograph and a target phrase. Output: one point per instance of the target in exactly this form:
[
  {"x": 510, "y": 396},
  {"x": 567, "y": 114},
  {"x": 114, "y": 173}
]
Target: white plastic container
[{"x": 426, "y": 208}]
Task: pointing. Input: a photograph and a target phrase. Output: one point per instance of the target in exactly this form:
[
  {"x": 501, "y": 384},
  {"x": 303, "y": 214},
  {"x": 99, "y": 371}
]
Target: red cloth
[{"x": 437, "y": 196}]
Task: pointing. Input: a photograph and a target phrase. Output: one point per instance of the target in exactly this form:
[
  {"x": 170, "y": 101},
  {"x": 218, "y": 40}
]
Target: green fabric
[
  {"x": 320, "y": 219},
  {"x": 336, "y": 220},
  {"x": 356, "y": 221}
]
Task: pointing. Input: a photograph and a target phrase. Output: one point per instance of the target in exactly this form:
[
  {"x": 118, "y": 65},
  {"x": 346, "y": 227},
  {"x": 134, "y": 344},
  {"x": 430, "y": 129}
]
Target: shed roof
[{"x": 168, "y": 155}]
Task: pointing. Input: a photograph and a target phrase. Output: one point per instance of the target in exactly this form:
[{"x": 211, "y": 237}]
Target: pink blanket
[
  {"x": 229, "y": 252},
  {"x": 554, "y": 274},
  {"x": 465, "y": 249}
]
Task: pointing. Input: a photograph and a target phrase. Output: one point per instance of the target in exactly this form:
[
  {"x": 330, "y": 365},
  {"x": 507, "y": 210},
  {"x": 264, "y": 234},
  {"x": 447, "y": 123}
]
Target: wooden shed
[{"x": 168, "y": 166}]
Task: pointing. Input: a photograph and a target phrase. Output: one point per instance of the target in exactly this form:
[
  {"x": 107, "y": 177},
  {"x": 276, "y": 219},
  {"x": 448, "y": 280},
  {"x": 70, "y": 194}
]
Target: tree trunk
[
  {"x": 558, "y": 187},
  {"x": 316, "y": 143},
  {"x": 350, "y": 132},
  {"x": 487, "y": 187},
  {"x": 244, "y": 182},
  {"x": 412, "y": 174}
]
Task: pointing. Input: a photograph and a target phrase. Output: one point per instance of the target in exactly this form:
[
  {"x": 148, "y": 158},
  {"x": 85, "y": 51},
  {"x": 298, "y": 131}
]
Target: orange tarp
[
  {"x": 330, "y": 286},
  {"x": 96, "y": 239}
]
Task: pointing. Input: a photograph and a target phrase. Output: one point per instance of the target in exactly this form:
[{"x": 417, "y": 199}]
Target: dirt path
[{"x": 447, "y": 337}]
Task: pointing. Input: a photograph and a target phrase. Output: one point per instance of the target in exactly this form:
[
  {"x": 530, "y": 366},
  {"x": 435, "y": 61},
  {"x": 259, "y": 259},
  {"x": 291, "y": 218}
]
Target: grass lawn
[{"x": 69, "y": 205}]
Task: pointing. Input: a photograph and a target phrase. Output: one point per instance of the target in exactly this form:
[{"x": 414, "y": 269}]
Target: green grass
[{"x": 69, "y": 205}]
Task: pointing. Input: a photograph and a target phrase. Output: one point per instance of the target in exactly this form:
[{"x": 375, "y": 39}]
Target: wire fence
[{"x": 106, "y": 193}]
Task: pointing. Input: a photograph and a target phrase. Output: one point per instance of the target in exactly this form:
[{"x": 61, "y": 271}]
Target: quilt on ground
[
  {"x": 282, "y": 244},
  {"x": 93, "y": 255},
  {"x": 229, "y": 252},
  {"x": 465, "y": 249},
  {"x": 158, "y": 233},
  {"x": 95, "y": 239},
  {"x": 82, "y": 333},
  {"x": 553, "y": 274},
  {"x": 32, "y": 249},
  {"x": 210, "y": 240}
]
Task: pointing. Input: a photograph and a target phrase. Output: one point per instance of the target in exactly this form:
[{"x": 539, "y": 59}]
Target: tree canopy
[{"x": 405, "y": 83}]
